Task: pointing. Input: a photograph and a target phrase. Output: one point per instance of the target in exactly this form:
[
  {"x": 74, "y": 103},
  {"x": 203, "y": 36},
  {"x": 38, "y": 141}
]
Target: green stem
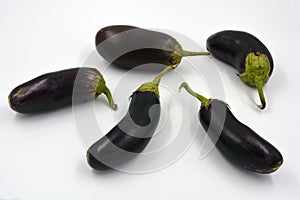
[
  {"x": 205, "y": 102},
  {"x": 103, "y": 89},
  {"x": 257, "y": 73},
  {"x": 261, "y": 96},
  {"x": 190, "y": 53},
  {"x": 163, "y": 72},
  {"x": 153, "y": 85}
]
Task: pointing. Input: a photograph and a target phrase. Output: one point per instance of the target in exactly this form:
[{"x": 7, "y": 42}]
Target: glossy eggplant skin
[
  {"x": 232, "y": 47},
  {"x": 129, "y": 46},
  {"x": 55, "y": 90},
  {"x": 130, "y": 136},
  {"x": 238, "y": 142}
]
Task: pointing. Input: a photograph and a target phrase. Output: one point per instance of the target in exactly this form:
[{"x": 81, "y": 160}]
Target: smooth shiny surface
[
  {"x": 232, "y": 48},
  {"x": 130, "y": 136},
  {"x": 239, "y": 143},
  {"x": 42, "y": 156},
  {"x": 129, "y": 46},
  {"x": 55, "y": 90}
]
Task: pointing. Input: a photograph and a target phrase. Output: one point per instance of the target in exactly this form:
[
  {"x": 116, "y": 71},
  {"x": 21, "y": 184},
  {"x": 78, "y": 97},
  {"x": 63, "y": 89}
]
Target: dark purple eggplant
[
  {"x": 132, "y": 134},
  {"x": 129, "y": 46},
  {"x": 55, "y": 90},
  {"x": 236, "y": 141},
  {"x": 247, "y": 54}
]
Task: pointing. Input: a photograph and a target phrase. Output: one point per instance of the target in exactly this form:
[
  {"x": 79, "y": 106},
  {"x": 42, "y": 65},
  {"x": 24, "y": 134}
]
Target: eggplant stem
[
  {"x": 163, "y": 72},
  {"x": 153, "y": 85},
  {"x": 185, "y": 53},
  {"x": 205, "y": 102},
  {"x": 108, "y": 95},
  {"x": 261, "y": 97}
]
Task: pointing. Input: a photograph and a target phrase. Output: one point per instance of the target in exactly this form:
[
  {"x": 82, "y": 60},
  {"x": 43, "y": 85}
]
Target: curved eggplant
[
  {"x": 247, "y": 54},
  {"x": 132, "y": 134},
  {"x": 129, "y": 46},
  {"x": 55, "y": 90},
  {"x": 237, "y": 142}
]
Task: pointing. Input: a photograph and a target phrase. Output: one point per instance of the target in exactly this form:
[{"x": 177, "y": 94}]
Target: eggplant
[
  {"x": 236, "y": 141},
  {"x": 132, "y": 134},
  {"x": 247, "y": 54},
  {"x": 130, "y": 46},
  {"x": 55, "y": 90}
]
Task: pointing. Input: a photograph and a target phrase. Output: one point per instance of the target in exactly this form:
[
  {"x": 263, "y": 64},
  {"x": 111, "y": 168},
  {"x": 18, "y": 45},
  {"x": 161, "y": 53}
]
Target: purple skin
[
  {"x": 237, "y": 142},
  {"x": 55, "y": 90},
  {"x": 239, "y": 49},
  {"x": 129, "y": 46},
  {"x": 112, "y": 149},
  {"x": 132, "y": 134},
  {"x": 232, "y": 48}
]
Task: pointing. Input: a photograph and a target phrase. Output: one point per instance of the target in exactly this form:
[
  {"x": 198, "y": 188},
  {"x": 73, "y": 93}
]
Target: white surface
[{"x": 42, "y": 156}]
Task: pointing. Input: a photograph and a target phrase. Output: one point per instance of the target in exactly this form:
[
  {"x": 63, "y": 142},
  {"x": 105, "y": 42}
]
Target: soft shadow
[
  {"x": 220, "y": 160},
  {"x": 43, "y": 114},
  {"x": 85, "y": 170},
  {"x": 104, "y": 173},
  {"x": 277, "y": 82},
  {"x": 265, "y": 178}
]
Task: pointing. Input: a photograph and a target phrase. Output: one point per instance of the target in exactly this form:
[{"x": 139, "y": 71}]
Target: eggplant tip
[
  {"x": 95, "y": 163},
  {"x": 114, "y": 106}
]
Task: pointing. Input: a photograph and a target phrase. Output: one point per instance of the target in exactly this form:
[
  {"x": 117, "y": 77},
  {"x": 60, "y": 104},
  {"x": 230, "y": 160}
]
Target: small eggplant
[
  {"x": 132, "y": 134},
  {"x": 55, "y": 90},
  {"x": 129, "y": 46},
  {"x": 235, "y": 140},
  {"x": 247, "y": 54}
]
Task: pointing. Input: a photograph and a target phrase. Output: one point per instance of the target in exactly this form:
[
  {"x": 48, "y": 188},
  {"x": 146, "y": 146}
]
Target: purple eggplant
[
  {"x": 247, "y": 54},
  {"x": 236, "y": 141},
  {"x": 55, "y": 90},
  {"x": 130, "y": 46},
  {"x": 132, "y": 134}
]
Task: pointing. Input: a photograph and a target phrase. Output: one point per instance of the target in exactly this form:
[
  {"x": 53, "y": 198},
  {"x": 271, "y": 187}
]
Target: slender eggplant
[
  {"x": 236, "y": 141},
  {"x": 132, "y": 134},
  {"x": 129, "y": 46},
  {"x": 247, "y": 54},
  {"x": 58, "y": 89}
]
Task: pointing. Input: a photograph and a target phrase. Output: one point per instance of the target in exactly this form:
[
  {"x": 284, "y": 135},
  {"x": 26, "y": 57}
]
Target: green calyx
[
  {"x": 205, "y": 102},
  {"x": 149, "y": 87},
  {"x": 153, "y": 85},
  {"x": 176, "y": 55},
  {"x": 101, "y": 88},
  {"x": 257, "y": 69}
]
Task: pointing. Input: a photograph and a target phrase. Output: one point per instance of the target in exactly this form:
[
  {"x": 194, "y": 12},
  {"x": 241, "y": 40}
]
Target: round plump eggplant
[
  {"x": 247, "y": 54},
  {"x": 236, "y": 141},
  {"x": 132, "y": 134},
  {"x": 55, "y": 90},
  {"x": 129, "y": 46}
]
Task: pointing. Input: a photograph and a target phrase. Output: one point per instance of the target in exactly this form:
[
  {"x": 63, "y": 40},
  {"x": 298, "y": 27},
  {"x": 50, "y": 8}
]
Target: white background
[{"x": 42, "y": 156}]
